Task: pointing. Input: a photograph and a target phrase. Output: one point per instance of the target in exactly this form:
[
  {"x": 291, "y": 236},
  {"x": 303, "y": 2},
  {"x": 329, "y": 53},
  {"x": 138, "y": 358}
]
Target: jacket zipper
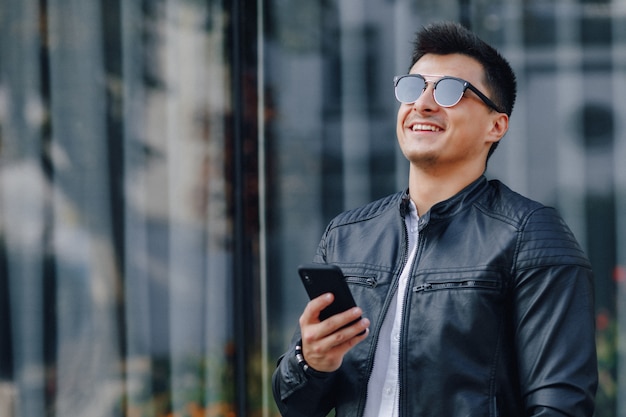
[
  {"x": 470, "y": 283},
  {"x": 405, "y": 259},
  {"x": 405, "y": 296},
  {"x": 369, "y": 282}
]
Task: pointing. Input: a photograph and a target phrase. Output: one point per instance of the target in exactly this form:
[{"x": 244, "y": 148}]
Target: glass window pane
[{"x": 115, "y": 209}]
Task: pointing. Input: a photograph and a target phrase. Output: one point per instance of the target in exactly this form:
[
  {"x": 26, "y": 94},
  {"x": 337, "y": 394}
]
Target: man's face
[{"x": 448, "y": 138}]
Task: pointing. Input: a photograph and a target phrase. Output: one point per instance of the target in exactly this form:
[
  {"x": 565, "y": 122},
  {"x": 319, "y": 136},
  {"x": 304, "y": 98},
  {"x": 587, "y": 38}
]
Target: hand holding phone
[{"x": 319, "y": 279}]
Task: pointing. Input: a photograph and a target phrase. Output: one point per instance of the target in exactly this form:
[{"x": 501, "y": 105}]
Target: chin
[{"x": 422, "y": 160}]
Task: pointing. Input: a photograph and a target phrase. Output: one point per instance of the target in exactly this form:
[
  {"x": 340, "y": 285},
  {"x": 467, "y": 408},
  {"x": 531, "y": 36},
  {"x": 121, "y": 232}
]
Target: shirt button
[{"x": 396, "y": 336}]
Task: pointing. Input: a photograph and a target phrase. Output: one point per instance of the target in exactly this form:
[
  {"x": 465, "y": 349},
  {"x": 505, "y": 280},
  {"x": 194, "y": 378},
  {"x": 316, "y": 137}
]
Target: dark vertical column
[
  {"x": 6, "y": 338},
  {"x": 112, "y": 47},
  {"x": 49, "y": 269},
  {"x": 332, "y": 112},
  {"x": 244, "y": 195},
  {"x": 465, "y": 14},
  {"x": 239, "y": 293}
]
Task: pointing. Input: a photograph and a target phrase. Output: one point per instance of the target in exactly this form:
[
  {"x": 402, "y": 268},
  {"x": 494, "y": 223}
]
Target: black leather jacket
[{"x": 498, "y": 317}]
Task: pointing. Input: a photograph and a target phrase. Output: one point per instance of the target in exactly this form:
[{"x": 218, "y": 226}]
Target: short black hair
[{"x": 445, "y": 38}]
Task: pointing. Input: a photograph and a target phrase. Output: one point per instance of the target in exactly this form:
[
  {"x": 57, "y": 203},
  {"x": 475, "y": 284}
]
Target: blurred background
[{"x": 166, "y": 164}]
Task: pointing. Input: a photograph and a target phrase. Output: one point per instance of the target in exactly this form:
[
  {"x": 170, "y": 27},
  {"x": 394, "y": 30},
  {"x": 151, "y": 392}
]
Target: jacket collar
[{"x": 451, "y": 206}]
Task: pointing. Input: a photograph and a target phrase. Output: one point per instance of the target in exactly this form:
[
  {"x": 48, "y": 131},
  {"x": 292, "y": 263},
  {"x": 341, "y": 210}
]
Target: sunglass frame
[{"x": 466, "y": 85}]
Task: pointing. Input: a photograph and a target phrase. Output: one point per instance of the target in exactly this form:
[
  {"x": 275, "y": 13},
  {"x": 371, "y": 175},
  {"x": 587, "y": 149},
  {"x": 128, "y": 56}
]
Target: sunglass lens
[
  {"x": 409, "y": 89},
  {"x": 448, "y": 92}
]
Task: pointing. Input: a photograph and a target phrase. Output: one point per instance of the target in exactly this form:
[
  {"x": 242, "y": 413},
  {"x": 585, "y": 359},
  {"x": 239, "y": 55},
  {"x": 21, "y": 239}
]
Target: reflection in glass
[{"x": 116, "y": 238}]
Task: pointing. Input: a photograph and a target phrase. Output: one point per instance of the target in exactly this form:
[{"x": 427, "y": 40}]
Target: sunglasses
[{"x": 447, "y": 91}]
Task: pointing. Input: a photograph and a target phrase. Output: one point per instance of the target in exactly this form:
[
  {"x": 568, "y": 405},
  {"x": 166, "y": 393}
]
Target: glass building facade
[{"x": 166, "y": 164}]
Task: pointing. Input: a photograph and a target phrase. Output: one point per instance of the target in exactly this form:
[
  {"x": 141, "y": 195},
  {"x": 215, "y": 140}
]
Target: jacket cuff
[{"x": 290, "y": 376}]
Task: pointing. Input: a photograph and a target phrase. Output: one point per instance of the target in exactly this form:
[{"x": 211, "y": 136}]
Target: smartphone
[{"x": 319, "y": 279}]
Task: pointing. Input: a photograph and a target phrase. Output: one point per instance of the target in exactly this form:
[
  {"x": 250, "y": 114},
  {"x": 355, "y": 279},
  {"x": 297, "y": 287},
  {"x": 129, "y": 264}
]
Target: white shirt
[{"x": 383, "y": 388}]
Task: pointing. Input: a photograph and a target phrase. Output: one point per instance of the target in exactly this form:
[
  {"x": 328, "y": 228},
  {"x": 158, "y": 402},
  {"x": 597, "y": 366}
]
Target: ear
[{"x": 499, "y": 126}]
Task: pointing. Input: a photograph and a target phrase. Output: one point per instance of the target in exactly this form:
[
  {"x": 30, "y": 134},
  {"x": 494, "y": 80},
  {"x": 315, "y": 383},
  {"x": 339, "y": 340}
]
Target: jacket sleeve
[
  {"x": 553, "y": 304},
  {"x": 298, "y": 392}
]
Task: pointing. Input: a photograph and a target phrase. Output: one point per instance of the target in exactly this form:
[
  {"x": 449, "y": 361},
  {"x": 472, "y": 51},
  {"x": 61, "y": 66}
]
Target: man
[{"x": 479, "y": 302}]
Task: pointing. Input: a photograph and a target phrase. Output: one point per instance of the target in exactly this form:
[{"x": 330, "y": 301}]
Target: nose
[{"x": 426, "y": 101}]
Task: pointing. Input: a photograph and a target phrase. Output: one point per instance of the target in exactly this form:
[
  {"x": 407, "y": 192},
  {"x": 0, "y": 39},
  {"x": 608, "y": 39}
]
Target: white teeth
[{"x": 431, "y": 128}]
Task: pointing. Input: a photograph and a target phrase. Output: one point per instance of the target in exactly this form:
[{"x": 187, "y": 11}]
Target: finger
[
  {"x": 314, "y": 307},
  {"x": 333, "y": 331},
  {"x": 348, "y": 335},
  {"x": 327, "y": 354},
  {"x": 331, "y": 340},
  {"x": 338, "y": 321}
]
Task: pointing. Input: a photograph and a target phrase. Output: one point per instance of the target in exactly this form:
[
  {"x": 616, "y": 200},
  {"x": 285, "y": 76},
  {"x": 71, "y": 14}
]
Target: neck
[{"x": 427, "y": 188}]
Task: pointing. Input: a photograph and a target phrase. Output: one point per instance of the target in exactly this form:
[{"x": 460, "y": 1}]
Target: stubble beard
[{"x": 424, "y": 162}]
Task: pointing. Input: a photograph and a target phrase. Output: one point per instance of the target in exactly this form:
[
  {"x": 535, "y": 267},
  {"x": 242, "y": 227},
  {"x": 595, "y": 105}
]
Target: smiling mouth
[{"x": 418, "y": 127}]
